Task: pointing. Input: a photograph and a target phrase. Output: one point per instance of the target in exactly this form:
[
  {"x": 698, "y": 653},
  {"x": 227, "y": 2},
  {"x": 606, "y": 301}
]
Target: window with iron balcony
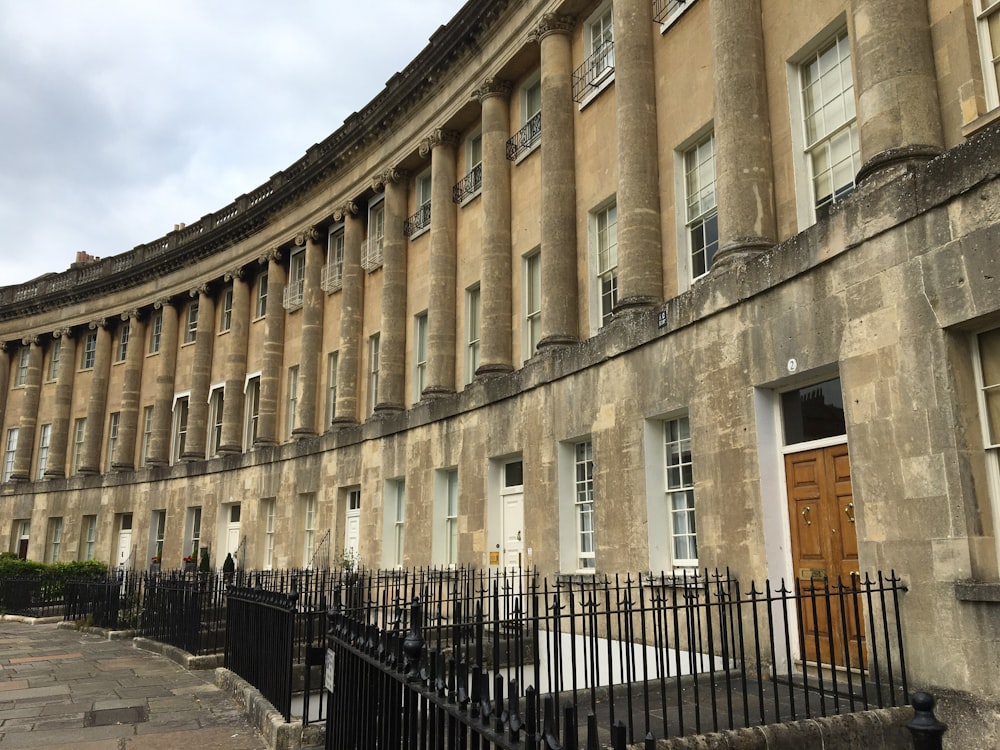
[{"x": 597, "y": 70}]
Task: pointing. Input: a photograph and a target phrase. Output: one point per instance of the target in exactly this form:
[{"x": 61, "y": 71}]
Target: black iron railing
[
  {"x": 420, "y": 220},
  {"x": 593, "y": 71},
  {"x": 469, "y": 185},
  {"x": 461, "y": 657},
  {"x": 525, "y": 138},
  {"x": 30, "y": 595},
  {"x": 667, "y": 10}
]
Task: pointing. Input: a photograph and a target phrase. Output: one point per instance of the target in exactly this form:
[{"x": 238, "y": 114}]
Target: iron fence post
[{"x": 927, "y": 731}]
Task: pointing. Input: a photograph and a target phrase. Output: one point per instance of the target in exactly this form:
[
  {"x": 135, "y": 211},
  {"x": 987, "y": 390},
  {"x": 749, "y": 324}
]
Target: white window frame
[
  {"x": 422, "y": 200},
  {"x": 121, "y": 351},
  {"x": 226, "y": 315},
  {"x": 603, "y": 224},
  {"x": 601, "y": 72},
  {"x": 332, "y": 279},
  {"x": 371, "y": 249},
  {"x": 10, "y": 451},
  {"x": 260, "y": 305},
  {"x": 532, "y": 303},
  {"x": 114, "y": 423},
  {"x": 179, "y": 425},
  {"x": 23, "y": 359},
  {"x": 583, "y": 502},
  {"x": 79, "y": 433},
  {"x": 155, "y": 332},
  {"x": 193, "y": 523},
  {"x": 191, "y": 323},
  {"x": 44, "y": 439},
  {"x": 451, "y": 517},
  {"x": 157, "y": 531},
  {"x": 295, "y": 288},
  {"x": 55, "y": 353},
  {"x": 89, "y": 354},
  {"x": 473, "y": 328},
  {"x": 251, "y": 409},
  {"x": 89, "y": 537},
  {"x": 419, "y": 355},
  {"x": 697, "y": 212},
  {"x": 373, "y": 372},
  {"x": 678, "y": 484},
  {"x": 835, "y": 34},
  {"x": 393, "y": 549},
  {"x": 989, "y": 58},
  {"x": 308, "y": 528},
  {"x": 216, "y": 405},
  {"x": 332, "y": 360},
  {"x": 269, "y": 527},
  {"x": 291, "y": 400},
  {"x": 668, "y": 11},
  {"x": 988, "y": 394},
  {"x": 473, "y": 162},
  {"x": 147, "y": 434},
  {"x": 55, "y": 539}
]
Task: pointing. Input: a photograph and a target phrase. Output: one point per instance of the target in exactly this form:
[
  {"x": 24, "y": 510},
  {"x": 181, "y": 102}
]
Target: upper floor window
[
  {"x": 371, "y": 249},
  {"x": 419, "y": 355},
  {"x": 583, "y": 501},
  {"x": 604, "y": 225},
  {"x": 124, "y": 331},
  {"x": 293, "y": 399},
  {"x": 532, "y": 303},
  {"x": 598, "y": 68},
  {"x": 472, "y": 333},
  {"x": 701, "y": 212},
  {"x": 679, "y": 483},
  {"x": 10, "y": 450},
  {"x": 155, "y": 331},
  {"x": 147, "y": 434},
  {"x": 665, "y": 12},
  {"x": 831, "y": 133},
  {"x": 216, "y": 406},
  {"x": 988, "y": 377},
  {"x": 54, "y": 353},
  {"x": 191, "y": 323},
  {"x": 89, "y": 351},
  {"x": 79, "y": 433},
  {"x": 295, "y": 290},
  {"x": 260, "y": 308},
  {"x": 373, "y": 371},
  {"x": 988, "y": 22},
  {"x": 333, "y": 272},
  {"x": 331, "y": 386},
  {"x": 472, "y": 184},
  {"x": 44, "y": 439},
  {"x": 226, "y": 316},
  {"x": 114, "y": 421},
  {"x": 530, "y": 135},
  {"x": 23, "y": 356},
  {"x": 251, "y": 411},
  {"x": 421, "y": 219},
  {"x": 179, "y": 429}
]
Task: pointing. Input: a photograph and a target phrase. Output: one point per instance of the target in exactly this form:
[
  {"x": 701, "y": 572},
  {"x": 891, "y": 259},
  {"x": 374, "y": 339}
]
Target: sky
[{"x": 122, "y": 118}]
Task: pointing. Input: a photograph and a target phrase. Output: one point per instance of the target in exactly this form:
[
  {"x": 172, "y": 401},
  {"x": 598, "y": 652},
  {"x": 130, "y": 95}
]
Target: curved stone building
[{"x": 591, "y": 287}]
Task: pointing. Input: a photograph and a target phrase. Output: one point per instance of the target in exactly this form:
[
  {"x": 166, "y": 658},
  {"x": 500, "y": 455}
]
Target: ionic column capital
[
  {"x": 234, "y": 273},
  {"x": 391, "y": 175},
  {"x": 553, "y": 23},
  {"x": 29, "y": 340},
  {"x": 99, "y": 323},
  {"x": 161, "y": 302},
  {"x": 133, "y": 314},
  {"x": 348, "y": 208},
  {"x": 439, "y": 137},
  {"x": 197, "y": 291},
  {"x": 274, "y": 254},
  {"x": 493, "y": 87},
  {"x": 309, "y": 233},
  {"x": 63, "y": 333}
]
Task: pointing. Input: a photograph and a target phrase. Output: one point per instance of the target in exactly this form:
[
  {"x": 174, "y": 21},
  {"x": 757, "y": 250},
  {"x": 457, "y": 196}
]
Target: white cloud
[{"x": 120, "y": 118}]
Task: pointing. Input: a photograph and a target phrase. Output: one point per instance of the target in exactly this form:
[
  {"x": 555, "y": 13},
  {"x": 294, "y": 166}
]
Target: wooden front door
[{"x": 825, "y": 553}]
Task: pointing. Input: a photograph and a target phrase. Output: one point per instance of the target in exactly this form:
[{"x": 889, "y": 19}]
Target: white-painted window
[
  {"x": 532, "y": 298},
  {"x": 604, "y": 241},
  {"x": 179, "y": 428},
  {"x": 701, "y": 217},
  {"x": 55, "y": 352},
  {"x": 395, "y": 532},
  {"x": 89, "y": 537},
  {"x": 371, "y": 250},
  {"x": 331, "y": 387},
  {"x": 23, "y": 357},
  {"x": 147, "y": 434},
  {"x": 451, "y": 518},
  {"x": 308, "y": 528},
  {"x": 988, "y": 26},
  {"x": 295, "y": 289},
  {"x": 679, "y": 487},
  {"x": 598, "y": 67},
  {"x": 472, "y": 333},
  {"x": 251, "y": 411},
  {"x": 332, "y": 278},
  {"x": 267, "y": 511},
  {"x": 155, "y": 331},
  {"x": 419, "y": 355},
  {"x": 124, "y": 331},
  {"x": 193, "y": 533},
  {"x": 89, "y": 351},
  {"x": 373, "y": 372},
  {"x": 988, "y": 380},
  {"x": 226, "y": 316},
  {"x": 44, "y": 438},
  {"x": 583, "y": 494},
  {"x": 114, "y": 420},
  {"x": 79, "y": 432},
  {"x": 191, "y": 323},
  {"x": 260, "y": 308},
  {"x": 216, "y": 405},
  {"x": 10, "y": 450},
  {"x": 55, "y": 539},
  {"x": 292, "y": 401}
]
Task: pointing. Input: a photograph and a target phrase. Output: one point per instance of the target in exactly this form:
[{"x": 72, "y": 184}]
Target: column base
[
  {"x": 188, "y": 456},
  {"x": 492, "y": 370},
  {"x": 637, "y": 302},
  {"x": 264, "y": 443},
  {"x": 302, "y": 433},
  {"x": 387, "y": 408},
  {"x": 228, "y": 450},
  {"x": 435, "y": 391},
  {"x": 556, "y": 340},
  {"x": 122, "y": 467},
  {"x": 893, "y": 161},
  {"x": 340, "y": 423},
  {"x": 88, "y": 471},
  {"x": 18, "y": 478},
  {"x": 54, "y": 474},
  {"x": 739, "y": 251}
]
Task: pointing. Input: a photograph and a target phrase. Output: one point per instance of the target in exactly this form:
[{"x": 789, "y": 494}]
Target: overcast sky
[{"x": 121, "y": 118}]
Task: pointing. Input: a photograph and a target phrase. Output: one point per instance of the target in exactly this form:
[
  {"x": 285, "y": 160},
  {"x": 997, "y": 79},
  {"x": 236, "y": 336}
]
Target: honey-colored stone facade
[{"x": 885, "y": 291}]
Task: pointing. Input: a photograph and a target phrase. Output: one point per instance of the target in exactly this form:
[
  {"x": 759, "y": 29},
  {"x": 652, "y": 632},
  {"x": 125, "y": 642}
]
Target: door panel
[
  {"x": 825, "y": 553},
  {"x": 513, "y": 523}
]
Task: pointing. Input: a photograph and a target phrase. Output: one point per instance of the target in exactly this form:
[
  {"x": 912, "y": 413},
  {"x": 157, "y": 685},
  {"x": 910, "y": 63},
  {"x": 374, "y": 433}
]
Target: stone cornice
[{"x": 253, "y": 211}]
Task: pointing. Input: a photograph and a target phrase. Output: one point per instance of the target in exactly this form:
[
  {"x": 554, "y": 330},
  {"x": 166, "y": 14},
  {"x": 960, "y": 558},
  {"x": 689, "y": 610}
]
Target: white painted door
[
  {"x": 124, "y": 541},
  {"x": 232, "y": 533},
  {"x": 513, "y": 530},
  {"x": 352, "y": 526}
]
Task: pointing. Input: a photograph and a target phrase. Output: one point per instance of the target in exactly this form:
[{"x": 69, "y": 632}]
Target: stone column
[
  {"x": 744, "y": 180},
  {"x": 392, "y": 343},
  {"x": 496, "y": 354},
  {"x": 312, "y": 334},
  {"x": 274, "y": 350},
  {"x": 128, "y": 422},
  {"x": 560, "y": 325},
  {"x": 29, "y": 411},
  {"x": 640, "y": 248},
  {"x": 899, "y": 117},
  {"x": 201, "y": 376},
  {"x": 236, "y": 364},
  {"x": 443, "y": 264},
  {"x": 351, "y": 312},
  {"x": 4, "y": 377},
  {"x": 97, "y": 403},
  {"x": 163, "y": 405},
  {"x": 61, "y": 417}
]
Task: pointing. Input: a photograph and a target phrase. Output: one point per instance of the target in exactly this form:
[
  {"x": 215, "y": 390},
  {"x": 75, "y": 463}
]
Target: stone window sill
[
  {"x": 981, "y": 122},
  {"x": 978, "y": 591}
]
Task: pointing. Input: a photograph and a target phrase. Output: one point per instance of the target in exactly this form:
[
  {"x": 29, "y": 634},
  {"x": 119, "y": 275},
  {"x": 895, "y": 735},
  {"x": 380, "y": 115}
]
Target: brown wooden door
[{"x": 825, "y": 553}]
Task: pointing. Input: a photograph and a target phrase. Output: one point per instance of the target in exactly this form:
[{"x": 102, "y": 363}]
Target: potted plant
[
  {"x": 189, "y": 564},
  {"x": 154, "y": 564}
]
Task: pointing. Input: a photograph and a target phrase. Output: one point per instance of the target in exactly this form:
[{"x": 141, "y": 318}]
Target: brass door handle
[
  {"x": 849, "y": 512},
  {"x": 805, "y": 514}
]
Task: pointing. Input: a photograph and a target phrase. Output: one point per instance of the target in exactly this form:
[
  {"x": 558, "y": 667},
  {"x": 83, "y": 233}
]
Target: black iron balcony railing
[
  {"x": 420, "y": 220},
  {"x": 525, "y": 138},
  {"x": 666, "y": 10},
  {"x": 594, "y": 71},
  {"x": 469, "y": 185}
]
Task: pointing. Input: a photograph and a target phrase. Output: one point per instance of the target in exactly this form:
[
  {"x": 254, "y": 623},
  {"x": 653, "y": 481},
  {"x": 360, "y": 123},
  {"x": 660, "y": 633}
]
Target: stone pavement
[{"x": 66, "y": 689}]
